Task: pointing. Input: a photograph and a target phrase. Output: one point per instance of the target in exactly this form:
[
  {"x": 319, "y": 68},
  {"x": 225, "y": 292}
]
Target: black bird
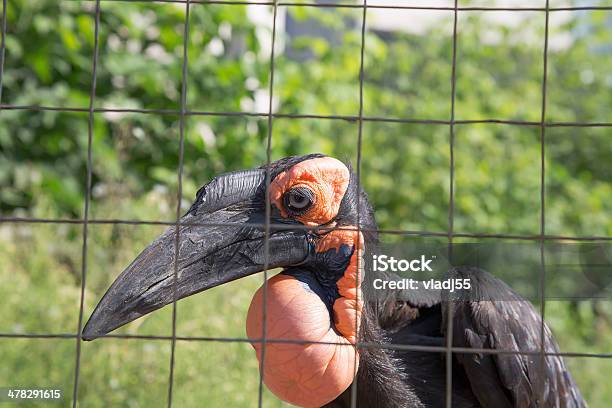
[{"x": 317, "y": 302}]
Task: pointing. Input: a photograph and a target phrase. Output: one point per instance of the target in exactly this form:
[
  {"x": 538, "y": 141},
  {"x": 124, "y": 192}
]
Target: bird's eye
[{"x": 298, "y": 200}]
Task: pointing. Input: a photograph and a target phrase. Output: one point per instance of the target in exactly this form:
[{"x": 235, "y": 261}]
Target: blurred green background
[{"x": 405, "y": 167}]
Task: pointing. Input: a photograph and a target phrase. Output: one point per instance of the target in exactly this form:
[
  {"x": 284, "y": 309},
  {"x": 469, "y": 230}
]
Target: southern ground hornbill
[{"x": 313, "y": 236}]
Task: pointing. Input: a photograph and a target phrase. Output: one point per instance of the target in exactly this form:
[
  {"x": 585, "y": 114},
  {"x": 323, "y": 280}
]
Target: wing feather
[{"x": 499, "y": 319}]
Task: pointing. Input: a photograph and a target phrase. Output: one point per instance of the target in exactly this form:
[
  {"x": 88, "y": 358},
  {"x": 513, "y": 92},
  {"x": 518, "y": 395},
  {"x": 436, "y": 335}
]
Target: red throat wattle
[{"x": 307, "y": 375}]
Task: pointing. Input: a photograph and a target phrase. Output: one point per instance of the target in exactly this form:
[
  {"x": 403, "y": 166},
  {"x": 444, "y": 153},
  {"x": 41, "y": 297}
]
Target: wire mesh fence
[{"x": 270, "y": 115}]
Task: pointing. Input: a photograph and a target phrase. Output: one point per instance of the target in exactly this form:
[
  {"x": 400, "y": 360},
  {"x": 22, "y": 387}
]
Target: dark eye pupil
[{"x": 298, "y": 200}]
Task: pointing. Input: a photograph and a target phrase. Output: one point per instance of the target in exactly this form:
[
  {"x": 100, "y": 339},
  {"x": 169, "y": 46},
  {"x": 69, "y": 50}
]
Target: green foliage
[
  {"x": 404, "y": 166},
  {"x": 43, "y": 297},
  {"x": 406, "y": 76}
]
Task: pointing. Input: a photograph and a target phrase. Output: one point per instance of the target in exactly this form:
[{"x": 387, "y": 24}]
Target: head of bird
[{"x": 312, "y": 309}]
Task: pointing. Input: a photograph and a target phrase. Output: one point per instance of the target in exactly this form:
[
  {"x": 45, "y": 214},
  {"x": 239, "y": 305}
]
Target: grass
[{"x": 41, "y": 275}]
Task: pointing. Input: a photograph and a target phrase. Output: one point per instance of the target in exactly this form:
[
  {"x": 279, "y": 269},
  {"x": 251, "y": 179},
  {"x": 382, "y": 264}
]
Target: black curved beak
[{"x": 230, "y": 246}]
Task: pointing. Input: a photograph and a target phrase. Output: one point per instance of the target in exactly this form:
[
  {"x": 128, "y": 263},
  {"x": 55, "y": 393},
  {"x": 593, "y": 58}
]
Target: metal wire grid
[
  {"x": 90, "y": 125},
  {"x": 358, "y": 243},
  {"x": 451, "y": 214},
  {"x": 542, "y": 204},
  {"x": 448, "y": 349},
  {"x": 264, "y": 320}
]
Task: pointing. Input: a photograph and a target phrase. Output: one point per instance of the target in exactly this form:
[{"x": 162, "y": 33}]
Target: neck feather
[{"x": 381, "y": 378}]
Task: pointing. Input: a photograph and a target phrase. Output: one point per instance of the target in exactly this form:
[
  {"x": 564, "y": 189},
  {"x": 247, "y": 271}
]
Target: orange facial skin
[
  {"x": 349, "y": 306},
  {"x": 326, "y": 177},
  {"x": 311, "y": 375}
]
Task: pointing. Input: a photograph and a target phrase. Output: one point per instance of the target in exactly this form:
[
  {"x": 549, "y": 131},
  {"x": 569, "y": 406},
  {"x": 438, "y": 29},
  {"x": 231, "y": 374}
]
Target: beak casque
[{"x": 220, "y": 239}]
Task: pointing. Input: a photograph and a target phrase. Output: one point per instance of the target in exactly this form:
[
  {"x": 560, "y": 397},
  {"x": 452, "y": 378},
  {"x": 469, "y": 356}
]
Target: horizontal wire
[
  {"x": 362, "y": 345},
  {"x": 367, "y": 6},
  {"x": 423, "y": 233},
  {"x": 348, "y": 118}
]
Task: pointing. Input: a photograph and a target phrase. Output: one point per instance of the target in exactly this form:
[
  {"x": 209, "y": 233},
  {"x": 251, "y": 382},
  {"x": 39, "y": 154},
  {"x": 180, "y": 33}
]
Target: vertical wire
[
  {"x": 268, "y": 213},
  {"x": 179, "y": 195},
  {"x": 542, "y": 281},
  {"x": 90, "y": 130},
  {"x": 2, "y": 48},
  {"x": 451, "y": 216},
  {"x": 359, "y": 156}
]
